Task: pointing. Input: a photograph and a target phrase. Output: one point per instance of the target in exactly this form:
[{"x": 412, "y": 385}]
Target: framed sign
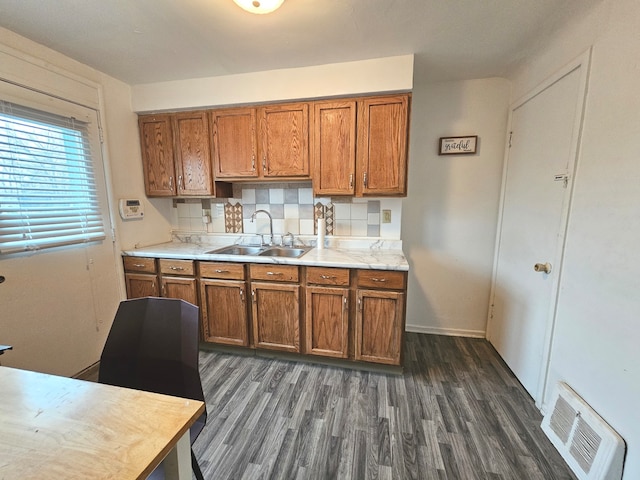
[{"x": 458, "y": 145}]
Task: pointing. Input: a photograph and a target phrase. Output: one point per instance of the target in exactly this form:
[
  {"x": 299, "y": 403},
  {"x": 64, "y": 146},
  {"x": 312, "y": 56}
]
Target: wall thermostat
[{"x": 130, "y": 208}]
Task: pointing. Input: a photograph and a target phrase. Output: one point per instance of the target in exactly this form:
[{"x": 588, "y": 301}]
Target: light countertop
[{"x": 373, "y": 257}]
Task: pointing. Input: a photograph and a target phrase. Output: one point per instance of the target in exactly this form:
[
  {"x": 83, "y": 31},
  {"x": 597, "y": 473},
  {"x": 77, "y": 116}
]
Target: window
[{"x": 48, "y": 193}]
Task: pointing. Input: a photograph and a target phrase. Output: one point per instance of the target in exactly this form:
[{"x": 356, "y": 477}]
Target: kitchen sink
[
  {"x": 290, "y": 252},
  {"x": 238, "y": 250},
  {"x": 268, "y": 251}
]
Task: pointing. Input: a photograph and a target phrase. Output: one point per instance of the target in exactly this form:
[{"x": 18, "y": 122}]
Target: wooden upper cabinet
[
  {"x": 382, "y": 145},
  {"x": 176, "y": 155},
  {"x": 334, "y": 148},
  {"x": 284, "y": 140},
  {"x": 234, "y": 142},
  {"x": 156, "y": 143},
  {"x": 193, "y": 158}
]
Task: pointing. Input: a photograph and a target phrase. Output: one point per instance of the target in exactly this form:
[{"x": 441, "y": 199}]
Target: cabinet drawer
[
  {"x": 231, "y": 271},
  {"x": 393, "y": 280},
  {"x": 274, "y": 273},
  {"x": 176, "y": 267},
  {"x": 139, "y": 264},
  {"x": 328, "y": 276}
]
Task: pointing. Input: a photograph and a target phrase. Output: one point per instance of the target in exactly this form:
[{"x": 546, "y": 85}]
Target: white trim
[
  {"x": 451, "y": 332},
  {"x": 30, "y": 72}
]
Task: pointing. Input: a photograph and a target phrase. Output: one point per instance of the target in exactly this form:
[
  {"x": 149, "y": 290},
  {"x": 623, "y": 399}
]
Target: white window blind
[{"x": 48, "y": 193}]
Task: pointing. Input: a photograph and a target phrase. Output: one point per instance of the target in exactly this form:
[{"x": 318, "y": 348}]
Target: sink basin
[
  {"x": 290, "y": 252},
  {"x": 238, "y": 250}
]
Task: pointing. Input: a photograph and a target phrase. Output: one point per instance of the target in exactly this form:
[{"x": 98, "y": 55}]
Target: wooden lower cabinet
[
  {"x": 276, "y": 316},
  {"x": 355, "y": 314},
  {"x": 379, "y": 325},
  {"x": 180, "y": 287},
  {"x": 142, "y": 285},
  {"x": 223, "y": 298},
  {"x": 379, "y": 319},
  {"x": 327, "y": 321},
  {"x": 141, "y": 277},
  {"x": 326, "y": 318},
  {"x": 224, "y": 312}
]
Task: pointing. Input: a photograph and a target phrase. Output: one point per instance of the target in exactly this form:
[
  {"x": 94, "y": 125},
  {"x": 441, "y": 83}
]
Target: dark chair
[{"x": 153, "y": 346}]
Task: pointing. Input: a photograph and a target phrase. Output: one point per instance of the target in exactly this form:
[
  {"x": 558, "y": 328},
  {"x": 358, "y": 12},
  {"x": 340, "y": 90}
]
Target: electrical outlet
[{"x": 386, "y": 216}]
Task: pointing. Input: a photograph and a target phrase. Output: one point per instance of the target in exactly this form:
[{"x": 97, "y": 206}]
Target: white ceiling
[{"x": 145, "y": 41}]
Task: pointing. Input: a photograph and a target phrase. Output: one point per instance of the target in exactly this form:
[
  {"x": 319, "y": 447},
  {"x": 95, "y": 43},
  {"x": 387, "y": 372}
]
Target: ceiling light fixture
[{"x": 259, "y": 6}]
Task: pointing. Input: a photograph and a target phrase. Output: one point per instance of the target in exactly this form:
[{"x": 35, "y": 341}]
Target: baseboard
[
  {"x": 89, "y": 373},
  {"x": 451, "y": 332}
]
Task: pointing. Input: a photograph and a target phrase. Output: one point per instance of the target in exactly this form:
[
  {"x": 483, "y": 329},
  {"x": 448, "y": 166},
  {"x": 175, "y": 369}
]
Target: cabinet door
[
  {"x": 382, "y": 145},
  {"x": 141, "y": 285},
  {"x": 276, "y": 316},
  {"x": 156, "y": 144},
  {"x": 234, "y": 142},
  {"x": 224, "y": 312},
  {"x": 284, "y": 140},
  {"x": 327, "y": 321},
  {"x": 179, "y": 287},
  {"x": 334, "y": 148},
  {"x": 193, "y": 159},
  {"x": 379, "y": 325}
]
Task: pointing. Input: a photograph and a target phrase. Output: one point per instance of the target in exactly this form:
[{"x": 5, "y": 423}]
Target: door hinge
[
  {"x": 101, "y": 134},
  {"x": 510, "y": 138}
]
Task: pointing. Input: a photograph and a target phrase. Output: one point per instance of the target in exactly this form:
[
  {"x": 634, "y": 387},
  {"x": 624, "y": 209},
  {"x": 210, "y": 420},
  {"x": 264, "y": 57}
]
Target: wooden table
[{"x": 62, "y": 428}]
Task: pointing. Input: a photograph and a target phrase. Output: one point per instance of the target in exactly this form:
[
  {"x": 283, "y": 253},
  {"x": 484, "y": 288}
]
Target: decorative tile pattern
[
  {"x": 293, "y": 208},
  {"x": 318, "y": 212},
  {"x": 233, "y": 218},
  {"x": 329, "y": 216}
]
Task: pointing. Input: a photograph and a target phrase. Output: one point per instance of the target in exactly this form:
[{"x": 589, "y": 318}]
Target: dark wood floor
[{"x": 457, "y": 412}]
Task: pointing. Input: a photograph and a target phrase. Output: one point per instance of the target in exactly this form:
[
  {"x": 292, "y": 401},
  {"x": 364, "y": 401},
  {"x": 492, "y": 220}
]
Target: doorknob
[
  {"x": 2, "y": 278},
  {"x": 542, "y": 267}
]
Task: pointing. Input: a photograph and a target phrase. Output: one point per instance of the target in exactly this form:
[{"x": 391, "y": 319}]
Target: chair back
[{"x": 153, "y": 346}]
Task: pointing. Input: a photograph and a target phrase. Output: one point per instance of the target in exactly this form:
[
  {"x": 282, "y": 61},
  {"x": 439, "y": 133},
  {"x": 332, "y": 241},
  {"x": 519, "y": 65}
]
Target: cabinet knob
[
  {"x": 176, "y": 268},
  {"x": 274, "y": 273},
  {"x": 222, "y": 271},
  {"x": 351, "y": 180},
  {"x": 379, "y": 280},
  {"x": 328, "y": 277},
  {"x": 364, "y": 179}
]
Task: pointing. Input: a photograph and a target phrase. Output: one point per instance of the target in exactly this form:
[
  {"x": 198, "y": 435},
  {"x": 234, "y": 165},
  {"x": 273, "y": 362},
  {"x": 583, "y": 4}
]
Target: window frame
[{"x": 60, "y": 107}]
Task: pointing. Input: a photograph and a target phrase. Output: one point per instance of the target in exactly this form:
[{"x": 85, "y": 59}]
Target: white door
[
  {"x": 58, "y": 303},
  {"x": 536, "y": 193}
]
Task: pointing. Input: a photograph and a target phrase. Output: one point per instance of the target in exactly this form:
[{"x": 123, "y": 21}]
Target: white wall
[
  {"x": 597, "y": 337},
  {"x": 127, "y": 179},
  {"x": 387, "y": 74},
  {"x": 449, "y": 217}
]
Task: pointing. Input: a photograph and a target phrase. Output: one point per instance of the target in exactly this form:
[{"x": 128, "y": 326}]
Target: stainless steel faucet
[
  {"x": 253, "y": 217},
  {"x": 282, "y": 240}
]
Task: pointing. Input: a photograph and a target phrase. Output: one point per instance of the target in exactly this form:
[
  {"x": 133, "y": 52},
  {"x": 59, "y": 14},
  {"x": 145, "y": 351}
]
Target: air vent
[{"x": 592, "y": 449}]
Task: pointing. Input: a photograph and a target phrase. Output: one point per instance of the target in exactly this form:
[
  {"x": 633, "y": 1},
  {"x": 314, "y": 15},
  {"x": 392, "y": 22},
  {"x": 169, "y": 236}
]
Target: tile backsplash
[{"x": 293, "y": 208}]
